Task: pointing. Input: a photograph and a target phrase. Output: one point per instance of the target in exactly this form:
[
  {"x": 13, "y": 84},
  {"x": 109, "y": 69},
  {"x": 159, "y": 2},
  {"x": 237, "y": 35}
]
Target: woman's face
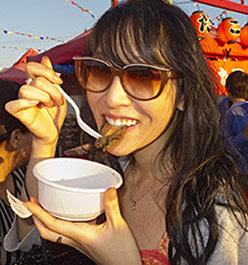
[
  {"x": 13, "y": 157},
  {"x": 146, "y": 120}
]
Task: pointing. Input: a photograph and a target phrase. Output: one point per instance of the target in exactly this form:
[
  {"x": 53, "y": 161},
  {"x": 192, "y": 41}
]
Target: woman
[
  {"x": 181, "y": 202},
  {"x": 15, "y": 147}
]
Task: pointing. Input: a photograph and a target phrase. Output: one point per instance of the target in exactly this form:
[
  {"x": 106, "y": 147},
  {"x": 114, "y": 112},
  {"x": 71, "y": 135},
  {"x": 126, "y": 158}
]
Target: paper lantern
[
  {"x": 244, "y": 35},
  {"x": 228, "y": 30},
  {"x": 201, "y": 22}
]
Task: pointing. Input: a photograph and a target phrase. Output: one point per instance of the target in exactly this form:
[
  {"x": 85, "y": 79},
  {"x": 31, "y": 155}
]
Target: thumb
[{"x": 111, "y": 206}]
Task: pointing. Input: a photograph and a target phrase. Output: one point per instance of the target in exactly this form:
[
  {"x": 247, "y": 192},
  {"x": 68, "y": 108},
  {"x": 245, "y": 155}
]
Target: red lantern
[
  {"x": 201, "y": 22},
  {"x": 228, "y": 30},
  {"x": 244, "y": 35}
]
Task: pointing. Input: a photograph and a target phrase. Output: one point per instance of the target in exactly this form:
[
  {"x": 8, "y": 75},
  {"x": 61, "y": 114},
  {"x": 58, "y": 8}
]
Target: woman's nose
[{"x": 116, "y": 95}]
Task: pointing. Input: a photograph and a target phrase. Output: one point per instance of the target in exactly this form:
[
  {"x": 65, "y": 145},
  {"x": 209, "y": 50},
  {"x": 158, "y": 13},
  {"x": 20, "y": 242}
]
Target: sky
[{"x": 57, "y": 21}]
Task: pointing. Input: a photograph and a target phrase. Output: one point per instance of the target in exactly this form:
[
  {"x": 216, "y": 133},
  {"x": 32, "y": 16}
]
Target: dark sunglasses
[{"x": 140, "y": 81}]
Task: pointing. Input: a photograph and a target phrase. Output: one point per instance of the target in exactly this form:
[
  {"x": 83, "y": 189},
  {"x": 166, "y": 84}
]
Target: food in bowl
[{"x": 73, "y": 188}]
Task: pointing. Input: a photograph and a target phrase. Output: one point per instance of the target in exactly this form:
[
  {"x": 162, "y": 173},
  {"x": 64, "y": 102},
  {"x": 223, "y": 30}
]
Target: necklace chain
[{"x": 133, "y": 201}]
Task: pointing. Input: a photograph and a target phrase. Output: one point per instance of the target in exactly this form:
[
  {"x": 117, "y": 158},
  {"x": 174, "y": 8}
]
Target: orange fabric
[
  {"x": 221, "y": 70},
  {"x": 213, "y": 47}
]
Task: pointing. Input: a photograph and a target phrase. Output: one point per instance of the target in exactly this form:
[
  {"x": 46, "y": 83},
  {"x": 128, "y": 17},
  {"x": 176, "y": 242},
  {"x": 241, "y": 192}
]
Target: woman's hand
[
  {"x": 110, "y": 243},
  {"x": 40, "y": 106}
]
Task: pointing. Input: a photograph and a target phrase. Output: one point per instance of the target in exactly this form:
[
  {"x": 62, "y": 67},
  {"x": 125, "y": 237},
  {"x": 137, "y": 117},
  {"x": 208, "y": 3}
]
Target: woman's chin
[{"x": 120, "y": 150}]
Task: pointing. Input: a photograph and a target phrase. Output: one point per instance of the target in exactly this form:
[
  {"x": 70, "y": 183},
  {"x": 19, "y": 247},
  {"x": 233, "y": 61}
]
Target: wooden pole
[{"x": 226, "y": 4}]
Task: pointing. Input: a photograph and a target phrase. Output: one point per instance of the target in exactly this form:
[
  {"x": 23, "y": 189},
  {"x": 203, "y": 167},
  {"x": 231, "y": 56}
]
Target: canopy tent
[
  {"x": 61, "y": 57},
  {"x": 17, "y": 71},
  {"x": 64, "y": 53}
]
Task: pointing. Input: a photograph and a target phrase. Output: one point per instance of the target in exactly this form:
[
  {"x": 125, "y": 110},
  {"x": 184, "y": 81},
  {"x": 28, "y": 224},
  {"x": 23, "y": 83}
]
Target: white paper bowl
[{"x": 72, "y": 188}]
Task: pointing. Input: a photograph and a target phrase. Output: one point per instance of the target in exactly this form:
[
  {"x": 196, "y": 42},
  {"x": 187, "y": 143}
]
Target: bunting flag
[
  {"x": 82, "y": 9},
  {"x": 8, "y": 32},
  {"x": 216, "y": 20},
  {"x": 114, "y": 3},
  {"x": 18, "y": 48}
]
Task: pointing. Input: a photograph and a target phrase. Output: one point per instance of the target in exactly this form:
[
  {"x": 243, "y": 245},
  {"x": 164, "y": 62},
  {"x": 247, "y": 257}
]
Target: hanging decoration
[
  {"x": 8, "y": 32},
  {"x": 228, "y": 30},
  {"x": 18, "y": 48},
  {"x": 226, "y": 4},
  {"x": 84, "y": 10},
  {"x": 201, "y": 22},
  {"x": 215, "y": 21},
  {"x": 244, "y": 35},
  {"x": 114, "y": 3}
]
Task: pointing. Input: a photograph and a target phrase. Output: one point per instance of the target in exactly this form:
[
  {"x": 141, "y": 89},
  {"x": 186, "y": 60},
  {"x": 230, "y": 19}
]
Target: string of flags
[
  {"x": 83, "y": 9},
  {"x": 216, "y": 20},
  {"x": 219, "y": 18},
  {"x": 18, "y": 48},
  {"x": 9, "y": 32}
]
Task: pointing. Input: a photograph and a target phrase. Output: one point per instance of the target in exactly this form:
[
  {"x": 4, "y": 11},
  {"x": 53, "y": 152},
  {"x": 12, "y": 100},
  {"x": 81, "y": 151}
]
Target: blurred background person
[
  {"x": 15, "y": 147},
  {"x": 235, "y": 120}
]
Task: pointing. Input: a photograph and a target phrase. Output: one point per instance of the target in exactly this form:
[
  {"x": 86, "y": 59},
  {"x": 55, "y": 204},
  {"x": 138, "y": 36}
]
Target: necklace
[{"x": 133, "y": 201}]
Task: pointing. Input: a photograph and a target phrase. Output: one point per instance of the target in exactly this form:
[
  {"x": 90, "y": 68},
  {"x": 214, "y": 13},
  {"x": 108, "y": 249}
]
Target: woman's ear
[{"x": 15, "y": 139}]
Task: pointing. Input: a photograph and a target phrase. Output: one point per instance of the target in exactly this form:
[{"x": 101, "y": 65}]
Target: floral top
[
  {"x": 157, "y": 256},
  {"x": 231, "y": 248}
]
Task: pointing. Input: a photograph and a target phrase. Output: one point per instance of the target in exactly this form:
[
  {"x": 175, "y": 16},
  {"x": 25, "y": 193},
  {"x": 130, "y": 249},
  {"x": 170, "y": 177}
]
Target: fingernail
[
  {"x": 57, "y": 79},
  {"x": 51, "y": 104},
  {"x": 61, "y": 102},
  {"x": 112, "y": 193},
  {"x": 32, "y": 102}
]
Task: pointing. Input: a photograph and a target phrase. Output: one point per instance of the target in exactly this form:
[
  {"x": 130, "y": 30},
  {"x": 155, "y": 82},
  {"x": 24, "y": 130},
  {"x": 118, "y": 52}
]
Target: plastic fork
[
  {"x": 80, "y": 122},
  {"x": 18, "y": 206}
]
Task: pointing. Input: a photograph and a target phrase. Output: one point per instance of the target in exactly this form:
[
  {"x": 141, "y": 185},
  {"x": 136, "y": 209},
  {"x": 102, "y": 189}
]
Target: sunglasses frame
[{"x": 119, "y": 72}]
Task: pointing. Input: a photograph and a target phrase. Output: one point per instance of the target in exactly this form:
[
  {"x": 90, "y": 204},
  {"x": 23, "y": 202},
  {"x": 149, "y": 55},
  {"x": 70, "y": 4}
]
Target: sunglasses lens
[
  {"x": 142, "y": 82},
  {"x": 93, "y": 75}
]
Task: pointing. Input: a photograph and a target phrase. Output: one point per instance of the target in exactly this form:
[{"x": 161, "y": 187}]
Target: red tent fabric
[
  {"x": 64, "y": 53},
  {"x": 17, "y": 71}
]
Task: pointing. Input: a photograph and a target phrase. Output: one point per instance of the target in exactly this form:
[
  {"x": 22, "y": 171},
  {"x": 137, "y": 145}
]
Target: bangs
[{"x": 128, "y": 37}]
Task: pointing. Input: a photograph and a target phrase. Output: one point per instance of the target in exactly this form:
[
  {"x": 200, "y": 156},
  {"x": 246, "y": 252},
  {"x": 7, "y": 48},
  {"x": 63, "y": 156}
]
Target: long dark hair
[
  {"x": 8, "y": 123},
  {"x": 204, "y": 170}
]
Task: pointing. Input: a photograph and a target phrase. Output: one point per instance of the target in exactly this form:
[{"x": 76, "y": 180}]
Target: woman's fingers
[
  {"x": 54, "y": 236},
  {"x": 44, "y": 232},
  {"x": 23, "y": 109},
  {"x": 42, "y": 90},
  {"x": 17, "y": 105},
  {"x": 59, "y": 226},
  {"x": 34, "y": 70}
]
